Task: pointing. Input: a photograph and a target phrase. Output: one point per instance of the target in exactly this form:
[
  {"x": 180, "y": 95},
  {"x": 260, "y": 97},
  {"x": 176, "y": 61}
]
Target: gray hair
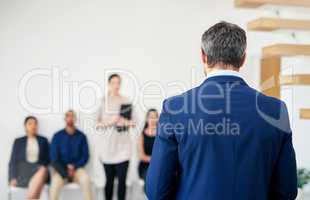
[{"x": 224, "y": 43}]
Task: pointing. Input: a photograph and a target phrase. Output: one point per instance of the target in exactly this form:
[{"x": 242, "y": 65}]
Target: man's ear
[{"x": 203, "y": 56}]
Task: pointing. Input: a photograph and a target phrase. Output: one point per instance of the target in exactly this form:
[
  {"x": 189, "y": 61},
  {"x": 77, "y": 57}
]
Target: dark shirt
[
  {"x": 148, "y": 142},
  {"x": 69, "y": 149}
]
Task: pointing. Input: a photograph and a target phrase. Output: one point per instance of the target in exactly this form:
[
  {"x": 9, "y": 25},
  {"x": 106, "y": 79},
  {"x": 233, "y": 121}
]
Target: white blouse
[
  {"x": 32, "y": 150},
  {"x": 113, "y": 147}
]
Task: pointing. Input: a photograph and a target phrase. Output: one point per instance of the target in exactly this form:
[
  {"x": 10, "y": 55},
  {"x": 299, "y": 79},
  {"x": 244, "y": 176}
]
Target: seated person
[
  {"x": 69, "y": 154},
  {"x": 146, "y": 141},
  {"x": 29, "y": 160}
]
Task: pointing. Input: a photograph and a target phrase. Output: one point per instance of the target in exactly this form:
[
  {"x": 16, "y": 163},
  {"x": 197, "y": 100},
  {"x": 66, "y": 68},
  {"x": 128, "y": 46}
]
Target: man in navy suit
[{"x": 223, "y": 140}]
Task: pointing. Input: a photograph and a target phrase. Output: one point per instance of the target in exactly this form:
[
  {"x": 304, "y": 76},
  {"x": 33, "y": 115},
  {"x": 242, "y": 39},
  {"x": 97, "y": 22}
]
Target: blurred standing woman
[
  {"x": 115, "y": 147},
  {"x": 29, "y": 160},
  {"x": 146, "y": 141}
]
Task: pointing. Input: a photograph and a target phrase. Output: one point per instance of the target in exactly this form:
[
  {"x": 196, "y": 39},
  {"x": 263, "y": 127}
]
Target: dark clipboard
[{"x": 125, "y": 112}]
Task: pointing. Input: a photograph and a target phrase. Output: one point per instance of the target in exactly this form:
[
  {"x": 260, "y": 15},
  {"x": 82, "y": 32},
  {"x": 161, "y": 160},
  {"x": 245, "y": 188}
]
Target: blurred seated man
[
  {"x": 69, "y": 154},
  {"x": 29, "y": 160}
]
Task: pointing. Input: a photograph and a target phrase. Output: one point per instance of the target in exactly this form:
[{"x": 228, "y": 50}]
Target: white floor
[{"x": 134, "y": 192}]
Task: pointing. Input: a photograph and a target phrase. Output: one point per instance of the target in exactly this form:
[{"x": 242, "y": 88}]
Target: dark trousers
[
  {"x": 119, "y": 170},
  {"x": 142, "y": 170}
]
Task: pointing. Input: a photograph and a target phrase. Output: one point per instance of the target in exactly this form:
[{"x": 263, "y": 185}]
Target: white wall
[
  {"x": 297, "y": 97},
  {"x": 152, "y": 39}
]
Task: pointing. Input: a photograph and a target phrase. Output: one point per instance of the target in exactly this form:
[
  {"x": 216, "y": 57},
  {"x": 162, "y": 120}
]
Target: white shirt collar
[{"x": 224, "y": 73}]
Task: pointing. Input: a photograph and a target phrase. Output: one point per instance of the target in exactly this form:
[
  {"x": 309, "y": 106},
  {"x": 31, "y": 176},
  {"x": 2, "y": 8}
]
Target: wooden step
[
  {"x": 257, "y": 3},
  {"x": 286, "y": 50},
  {"x": 269, "y": 77},
  {"x": 305, "y": 113},
  {"x": 301, "y": 79},
  {"x": 270, "y": 24}
]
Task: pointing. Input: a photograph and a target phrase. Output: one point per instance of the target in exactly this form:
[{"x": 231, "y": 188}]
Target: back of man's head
[{"x": 224, "y": 44}]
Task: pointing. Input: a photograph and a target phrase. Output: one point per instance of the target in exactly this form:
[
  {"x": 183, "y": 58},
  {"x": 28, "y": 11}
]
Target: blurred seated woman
[
  {"x": 29, "y": 160},
  {"x": 146, "y": 141}
]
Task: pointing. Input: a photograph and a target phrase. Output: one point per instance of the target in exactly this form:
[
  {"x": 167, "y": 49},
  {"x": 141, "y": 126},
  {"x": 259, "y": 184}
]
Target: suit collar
[
  {"x": 223, "y": 73},
  {"x": 223, "y": 79}
]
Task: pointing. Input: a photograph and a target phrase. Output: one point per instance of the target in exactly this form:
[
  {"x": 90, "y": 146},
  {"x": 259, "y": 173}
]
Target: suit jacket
[
  {"x": 223, "y": 140},
  {"x": 18, "y": 154}
]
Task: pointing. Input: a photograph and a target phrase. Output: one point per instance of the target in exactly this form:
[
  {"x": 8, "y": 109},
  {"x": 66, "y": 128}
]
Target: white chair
[
  {"x": 22, "y": 192},
  {"x": 72, "y": 188},
  {"x": 76, "y": 187},
  {"x": 14, "y": 190}
]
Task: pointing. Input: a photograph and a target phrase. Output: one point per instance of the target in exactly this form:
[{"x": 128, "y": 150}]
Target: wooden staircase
[
  {"x": 271, "y": 78},
  {"x": 271, "y": 24},
  {"x": 286, "y": 50},
  {"x": 305, "y": 113},
  {"x": 301, "y": 79},
  {"x": 271, "y": 67},
  {"x": 257, "y": 3}
]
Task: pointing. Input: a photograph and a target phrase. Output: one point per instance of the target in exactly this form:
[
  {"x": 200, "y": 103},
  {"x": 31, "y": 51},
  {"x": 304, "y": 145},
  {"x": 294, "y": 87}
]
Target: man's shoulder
[
  {"x": 264, "y": 100},
  {"x": 59, "y": 133},
  {"x": 80, "y": 133},
  {"x": 269, "y": 101},
  {"x": 272, "y": 110},
  {"x": 179, "y": 102},
  {"x": 183, "y": 95}
]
